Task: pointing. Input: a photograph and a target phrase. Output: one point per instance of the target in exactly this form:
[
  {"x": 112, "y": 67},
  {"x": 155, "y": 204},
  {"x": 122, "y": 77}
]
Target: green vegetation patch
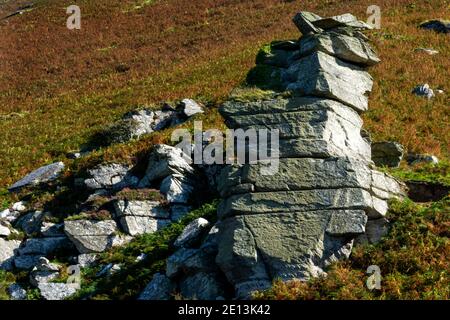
[{"x": 134, "y": 275}]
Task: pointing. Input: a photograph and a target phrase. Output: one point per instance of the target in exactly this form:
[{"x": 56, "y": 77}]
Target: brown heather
[{"x": 57, "y": 87}]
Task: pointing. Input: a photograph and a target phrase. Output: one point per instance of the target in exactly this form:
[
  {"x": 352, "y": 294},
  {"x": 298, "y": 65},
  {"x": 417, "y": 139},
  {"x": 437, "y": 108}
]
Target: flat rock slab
[
  {"x": 322, "y": 75},
  {"x": 344, "y": 20},
  {"x": 110, "y": 176},
  {"x": 288, "y": 245},
  {"x": 160, "y": 288},
  {"x": 310, "y": 173},
  {"x": 42, "y": 175},
  {"x": 304, "y": 200},
  {"x": 347, "y": 48}
]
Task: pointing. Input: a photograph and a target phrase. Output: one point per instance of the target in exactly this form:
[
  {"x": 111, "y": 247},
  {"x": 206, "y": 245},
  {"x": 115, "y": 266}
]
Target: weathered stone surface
[
  {"x": 139, "y": 217},
  {"x": 201, "y": 286},
  {"x": 160, "y": 288},
  {"x": 344, "y": 20},
  {"x": 49, "y": 229},
  {"x": 136, "y": 225},
  {"x": 16, "y": 292},
  {"x": 304, "y": 22},
  {"x": 137, "y": 208},
  {"x": 42, "y": 175},
  {"x": 177, "y": 189},
  {"x": 44, "y": 246},
  {"x": 57, "y": 291},
  {"x": 192, "y": 233},
  {"x": 424, "y": 90},
  {"x": 387, "y": 153},
  {"x": 190, "y": 107},
  {"x": 4, "y": 231},
  {"x": 303, "y": 200},
  {"x": 26, "y": 262},
  {"x": 87, "y": 259},
  {"x": 19, "y": 206},
  {"x": 347, "y": 48},
  {"x": 7, "y": 251},
  {"x": 93, "y": 236},
  {"x": 308, "y": 173},
  {"x": 188, "y": 261},
  {"x": 164, "y": 161},
  {"x": 31, "y": 222},
  {"x": 428, "y": 51},
  {"x": 110, "y": 176},
  {"x": 375, "y": 230},
  {"x": 326, "y": 76},
  {"x": 238, "y": 255}
]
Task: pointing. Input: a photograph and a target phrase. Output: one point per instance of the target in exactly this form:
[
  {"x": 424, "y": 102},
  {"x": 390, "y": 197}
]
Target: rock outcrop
[{"x": 326, "y": 192}]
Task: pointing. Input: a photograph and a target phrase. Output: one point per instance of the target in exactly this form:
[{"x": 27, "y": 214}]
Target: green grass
[
  {"x": 134, "y": 276},
  {"x": 6, "y": 279}
]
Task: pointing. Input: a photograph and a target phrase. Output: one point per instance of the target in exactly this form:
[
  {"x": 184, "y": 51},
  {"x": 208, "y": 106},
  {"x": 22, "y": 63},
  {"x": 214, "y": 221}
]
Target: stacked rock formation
[{"x": 293, "y": 224}]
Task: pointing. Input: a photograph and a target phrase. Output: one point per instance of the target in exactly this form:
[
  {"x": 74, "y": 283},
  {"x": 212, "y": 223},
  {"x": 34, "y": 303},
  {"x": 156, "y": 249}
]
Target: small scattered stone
[
  {"x": 4, "y": 231},
  {"x": 7, "y": 251},
  {"x": 387, "y": 153},
  {"x": 190, "y": 107},
  {"x": 177, "y": 189},
  {"x": 424, "y": 90},
  {"x": 87, "y": 259}
]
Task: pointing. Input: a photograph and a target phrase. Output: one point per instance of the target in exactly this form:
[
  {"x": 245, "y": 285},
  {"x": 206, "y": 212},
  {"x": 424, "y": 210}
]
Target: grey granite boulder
[
  {"x": 344, "y": 20},
  {"x": 322, "y": 75},
  {"x": 202, "y": 286},
  {"x": 4, "y": 230},
  {"x": 414, "y": 159},
  {"x": 93, "y": 236},
  {"x": 424, "y": 90},
  {"x": 42, "y": 175},
  {"x": 56, "y": 291},
  {"x": 438, "y": 25},
  {"x": 192, "y": 233},
  {"x": 347, "y": 48},
  {"x": 7, "y": 251},
  {"x": 110, "y": 176},
  {"x": 304, "y": 22},
  {"x": 139, "y": 217},
  {"x": 164, "y": 161},
  {"x": 177, "y": 189},
  {"x": 387, "y": 153},
  {"x": 189, "y": 107},
  {"x": 31, "y": 222},
  {"x": 160, "y": 288}
]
